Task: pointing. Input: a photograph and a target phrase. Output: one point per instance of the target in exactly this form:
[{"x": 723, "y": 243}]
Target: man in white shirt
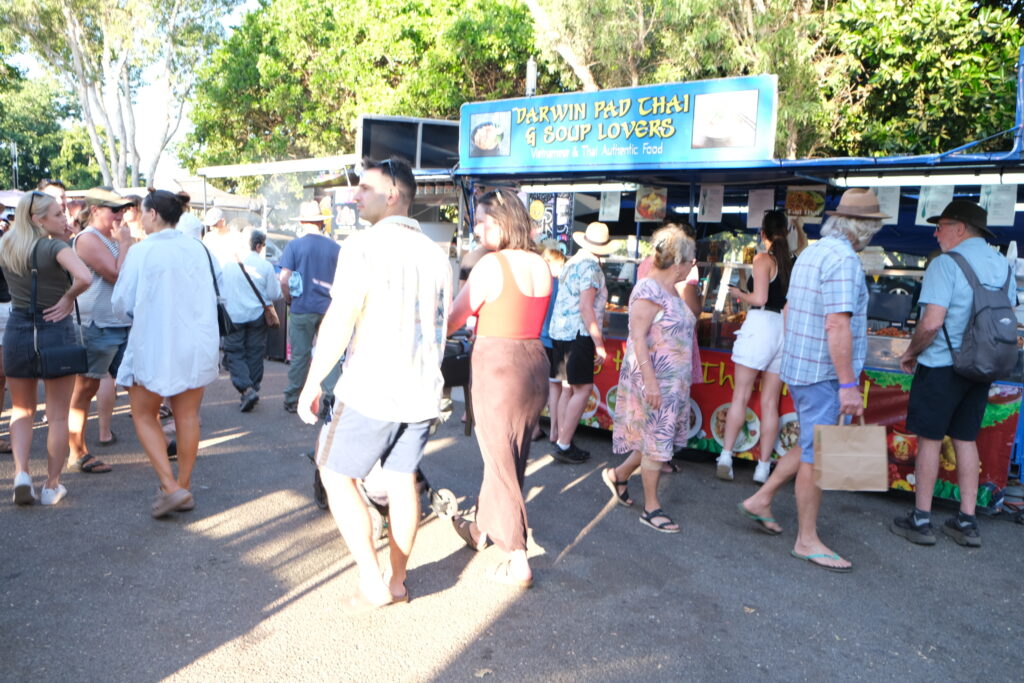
[{"x": 388, "y": 314}]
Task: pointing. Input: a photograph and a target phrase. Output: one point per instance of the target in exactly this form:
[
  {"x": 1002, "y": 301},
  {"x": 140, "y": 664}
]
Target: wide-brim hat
[
  {"x": 595, "y": 240},
  {"x": 97, "y": 196},
  {"x": 858, "y": 203},
  {"x": 965, "y": 212},
  {"x": 309, "y": 212}
]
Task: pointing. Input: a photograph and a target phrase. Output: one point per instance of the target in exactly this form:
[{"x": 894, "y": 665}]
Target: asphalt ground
[{"x": 247, "y": 586}]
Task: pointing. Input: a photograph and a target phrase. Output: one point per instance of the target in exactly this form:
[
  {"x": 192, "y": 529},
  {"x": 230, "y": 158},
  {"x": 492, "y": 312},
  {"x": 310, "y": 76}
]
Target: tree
[
  {"x": 30, "y": 117},
  {"x": 74, "y": 163},
  {"x": 924, "y": 75},
  {"x": 102, "y": 48},
  {"x": 292, "y": 80}
]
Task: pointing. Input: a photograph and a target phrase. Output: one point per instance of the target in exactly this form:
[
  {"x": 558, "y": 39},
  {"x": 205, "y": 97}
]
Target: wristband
[{"x": 850, "y": 385}]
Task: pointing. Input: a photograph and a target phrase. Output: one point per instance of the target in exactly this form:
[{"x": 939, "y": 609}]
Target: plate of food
[
  {"x": 610, "y": 398},
  {"x": 804, "y": 203},
  {"x": 696, "y": 420},
  {"x": 651, "y": 206},
  {"x": 487, "y": 138},
  {"x": 750, "y": 432},
  {"x": 593, "y": 401},
  {"x": 789, "y": 432}
]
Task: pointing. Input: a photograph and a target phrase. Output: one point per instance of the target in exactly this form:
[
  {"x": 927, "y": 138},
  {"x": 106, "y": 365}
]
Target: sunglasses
[
  {"x": 391, "y": 172},
  {"x": 32, "y": 202}
]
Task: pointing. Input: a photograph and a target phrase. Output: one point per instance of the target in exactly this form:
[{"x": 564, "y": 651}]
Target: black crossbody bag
[
  {"x": 224, "y": 324},
  {"x": 57, "y": 361}
]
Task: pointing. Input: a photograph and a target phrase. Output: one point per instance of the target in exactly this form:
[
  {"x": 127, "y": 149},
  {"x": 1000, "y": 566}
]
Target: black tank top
[{"x": 776, "y": 293}]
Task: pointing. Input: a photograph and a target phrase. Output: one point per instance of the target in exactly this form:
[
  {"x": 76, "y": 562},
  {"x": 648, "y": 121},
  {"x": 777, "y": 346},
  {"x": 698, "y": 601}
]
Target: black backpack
[{"x": 989, "y": 348}]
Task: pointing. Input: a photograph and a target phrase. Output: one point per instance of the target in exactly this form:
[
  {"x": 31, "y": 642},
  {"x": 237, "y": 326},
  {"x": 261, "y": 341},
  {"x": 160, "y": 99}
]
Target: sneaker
[
  {"x": 52, "y": 496},
  {"x": 573, "y": 455},
  {"x": 24, "y": 494},
  {"x": 249, "y": 399},
  {"x": 964, "y": 534},
  {"x": 724, "y": 470},
  {"x": 290, "y": 407},
  {"x": 762, "y": 471},
  {"x": 908, "y": 528}
]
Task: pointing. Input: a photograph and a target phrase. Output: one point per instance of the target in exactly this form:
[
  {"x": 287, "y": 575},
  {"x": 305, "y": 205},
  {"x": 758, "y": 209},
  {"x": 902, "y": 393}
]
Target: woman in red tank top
[{"x": 508, "y": 291}]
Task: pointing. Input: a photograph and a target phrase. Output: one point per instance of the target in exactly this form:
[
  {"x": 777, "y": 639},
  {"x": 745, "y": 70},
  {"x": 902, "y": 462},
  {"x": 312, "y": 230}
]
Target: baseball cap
[
  {"x": 212, "y": 217},
  {"x": 98, "y": 196}
]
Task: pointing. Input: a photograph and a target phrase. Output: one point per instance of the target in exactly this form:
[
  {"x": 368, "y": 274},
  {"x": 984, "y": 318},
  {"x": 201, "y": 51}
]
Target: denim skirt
[{"x": 19, "y": 351}]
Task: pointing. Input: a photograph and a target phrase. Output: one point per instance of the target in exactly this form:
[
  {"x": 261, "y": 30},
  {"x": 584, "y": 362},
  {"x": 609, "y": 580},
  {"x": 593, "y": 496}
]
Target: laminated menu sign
[
  {"x": 651, "y": 203},
  {"x": 610, "y": 204},
  {"x": 552, "y": 214},
  {"x": 932, "y": 201},
  {"x": 711, "y": 199},
  {"x": 1000, "y": 201},
  {"x": 670, "y": 125},
  {"x": 759, "y": 202},
  {"x": 806, "y": 202}
]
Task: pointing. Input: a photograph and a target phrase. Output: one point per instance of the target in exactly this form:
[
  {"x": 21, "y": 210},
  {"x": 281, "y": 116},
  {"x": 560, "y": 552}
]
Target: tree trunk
[
  {"x": 81, "y": 84},
  {"x": 543, "y": 23},
  {"x": 125, "y": 96}
]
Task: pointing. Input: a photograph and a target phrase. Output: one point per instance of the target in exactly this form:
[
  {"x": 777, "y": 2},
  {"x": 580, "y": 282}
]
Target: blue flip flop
[
  {"x": 822, "y": 556},
  {"x": 762, "y": 522}
]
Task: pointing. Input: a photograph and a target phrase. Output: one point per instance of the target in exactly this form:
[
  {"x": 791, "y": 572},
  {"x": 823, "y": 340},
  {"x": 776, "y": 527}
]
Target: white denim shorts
[{"x": 759, "y": 341}]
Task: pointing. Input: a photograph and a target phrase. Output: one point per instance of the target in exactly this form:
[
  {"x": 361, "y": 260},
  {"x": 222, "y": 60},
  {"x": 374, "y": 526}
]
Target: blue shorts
[
  {"x": 816, "y": 404},
  {"x": 351, "y": 443},
  {"x": 104, "y": 347}
]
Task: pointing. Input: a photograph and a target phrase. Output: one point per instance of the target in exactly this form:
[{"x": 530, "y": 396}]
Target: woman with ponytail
[
  {"x": 758, "y": 347},
  {"x": 166, "y": 287}
]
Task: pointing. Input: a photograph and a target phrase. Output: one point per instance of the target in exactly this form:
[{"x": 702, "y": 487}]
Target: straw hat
[
  {"x": 858, "y": 203},
  {"x": 595, "y": 239},
  {"x": 309, "y": 212}
]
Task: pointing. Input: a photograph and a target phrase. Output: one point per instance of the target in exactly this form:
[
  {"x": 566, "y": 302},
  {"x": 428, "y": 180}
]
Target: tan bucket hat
[
  {"x": 595, "y": 240},
  {"x": 858, "y": 202}
]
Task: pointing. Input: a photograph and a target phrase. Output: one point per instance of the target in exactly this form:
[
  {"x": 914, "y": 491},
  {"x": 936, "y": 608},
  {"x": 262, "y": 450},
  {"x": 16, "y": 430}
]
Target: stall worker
[
  {"x": 823, "y": 354},
  {"x": 943, "y": 402}
]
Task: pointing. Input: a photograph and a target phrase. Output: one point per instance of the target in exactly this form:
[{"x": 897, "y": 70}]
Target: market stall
[{"x": 702, "y": 152}]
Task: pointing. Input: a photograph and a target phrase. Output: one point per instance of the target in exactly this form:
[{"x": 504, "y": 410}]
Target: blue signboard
[{"x": 670, "y": 125}]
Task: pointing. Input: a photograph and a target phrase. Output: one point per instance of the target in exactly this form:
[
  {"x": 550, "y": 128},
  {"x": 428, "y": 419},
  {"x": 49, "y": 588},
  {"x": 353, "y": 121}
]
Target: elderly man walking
[
  {"x": 389, "y": 310},
  {"x": 943, "y": 402},
  {"x": 825, "y": 346}
]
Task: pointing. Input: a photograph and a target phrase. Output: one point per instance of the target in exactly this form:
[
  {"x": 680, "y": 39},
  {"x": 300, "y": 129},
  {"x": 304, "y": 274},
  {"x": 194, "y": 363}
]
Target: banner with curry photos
[
  {"x": 886, "y": 394},
  {"x": 669, "y": 125}
]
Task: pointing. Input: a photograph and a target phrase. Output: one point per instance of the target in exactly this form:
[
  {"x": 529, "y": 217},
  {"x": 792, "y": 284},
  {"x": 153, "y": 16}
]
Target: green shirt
[{"x": 53, "y": 279}]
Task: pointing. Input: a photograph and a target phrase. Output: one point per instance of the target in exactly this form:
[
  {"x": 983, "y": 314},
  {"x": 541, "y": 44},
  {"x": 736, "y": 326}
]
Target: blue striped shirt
[{"x": 827, "y": 278}]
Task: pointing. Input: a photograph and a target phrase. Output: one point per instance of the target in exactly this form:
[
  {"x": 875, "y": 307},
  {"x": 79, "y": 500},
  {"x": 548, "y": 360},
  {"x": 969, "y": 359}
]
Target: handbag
[
  {"x": 56, "y": 361},
  {"x": 224, "y": 324},
  {"x": 269, "y": 313},
  {"x": 850, "y": 457}
]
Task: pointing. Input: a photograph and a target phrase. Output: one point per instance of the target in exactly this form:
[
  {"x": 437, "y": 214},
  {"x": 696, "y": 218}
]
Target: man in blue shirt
[
  {"x": 314, "y": 257},
  {"x": 941, "y": 401}
]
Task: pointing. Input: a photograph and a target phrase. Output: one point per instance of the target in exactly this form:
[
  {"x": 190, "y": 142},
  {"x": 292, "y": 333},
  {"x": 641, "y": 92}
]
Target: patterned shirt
[
  {"x": 827, "y": 278},
  {"x": 582, "y": 271}
]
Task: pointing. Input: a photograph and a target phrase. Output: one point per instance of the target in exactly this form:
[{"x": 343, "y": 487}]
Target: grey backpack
[{"x": 989, "y": 348}]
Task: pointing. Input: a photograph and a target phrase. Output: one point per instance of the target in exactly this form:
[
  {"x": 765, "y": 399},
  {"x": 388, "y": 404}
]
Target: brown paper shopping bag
[{"x": 850, "y": 457}]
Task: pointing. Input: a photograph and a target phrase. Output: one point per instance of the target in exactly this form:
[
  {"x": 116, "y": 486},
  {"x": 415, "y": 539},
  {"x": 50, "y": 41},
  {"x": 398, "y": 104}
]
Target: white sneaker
[
  {"x": 52, "y": 496},
  {"x": 762, "y": 471},
  {"x": 724, "y": 470},
  {"x": 24, "y": 494}
]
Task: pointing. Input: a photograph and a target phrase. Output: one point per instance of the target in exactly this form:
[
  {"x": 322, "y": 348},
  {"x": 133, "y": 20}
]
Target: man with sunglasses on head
[{"x": 103, "y": 246}]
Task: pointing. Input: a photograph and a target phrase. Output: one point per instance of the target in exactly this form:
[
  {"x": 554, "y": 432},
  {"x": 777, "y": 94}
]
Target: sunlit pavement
[{"x": 247, "y": 586}]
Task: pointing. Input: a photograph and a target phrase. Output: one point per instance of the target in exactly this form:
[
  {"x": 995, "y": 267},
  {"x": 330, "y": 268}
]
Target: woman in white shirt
[{"x": 166, "y": 287}]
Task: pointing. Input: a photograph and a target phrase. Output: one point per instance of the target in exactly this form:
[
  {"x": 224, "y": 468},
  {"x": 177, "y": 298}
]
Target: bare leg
[
  {"x": 650, "y": 473},
  {"x": 967, "y": 474},
  {"x": 353, "y": 521},
  {"x": 771, "y": 387},
  {"x": 808, "y": 502},
  {"x": 145, "y": 415},
  {"x": 81, "y": 398},
  {"x": 58, "y": 398},
  {"x": 624, "y": 471},
  {"x": 554, "y": 395},
  {"x": 737, "y": 413},
  {"x": 926, "y": 472},
  {"x": 106, "y": 397},
  {"x": 573, "y": 406},
  {"x": 404, "y": 518},
  {"x": 761, "y": 502},
  {"x": 186, "y": 416},
  {"x": 23, "y": 412},
  {"x": 3, "y": 382}
]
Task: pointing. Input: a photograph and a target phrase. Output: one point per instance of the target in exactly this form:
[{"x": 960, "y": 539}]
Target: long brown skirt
[{"x": 510, "y": 386}]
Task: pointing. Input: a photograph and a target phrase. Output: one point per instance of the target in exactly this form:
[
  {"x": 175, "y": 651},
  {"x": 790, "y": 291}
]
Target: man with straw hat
[
  {"x": 823, "y": 354},
  {"x": 575, "y": 332}
]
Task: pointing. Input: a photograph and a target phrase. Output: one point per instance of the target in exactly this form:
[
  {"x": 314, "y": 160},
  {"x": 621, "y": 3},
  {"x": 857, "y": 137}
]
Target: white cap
[
  {"x": 190, "y": 225},
  {"x": 212, "y": 217}
]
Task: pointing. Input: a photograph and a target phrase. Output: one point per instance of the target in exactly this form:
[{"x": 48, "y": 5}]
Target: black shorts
[
  {"x": 552, "y": 361},
  {"x": 944, "y": 403},
  {"x": 573, "y": 361}
]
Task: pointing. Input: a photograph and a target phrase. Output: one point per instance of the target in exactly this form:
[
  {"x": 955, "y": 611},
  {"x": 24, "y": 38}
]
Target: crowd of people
[{"x": 380, "y": 308}]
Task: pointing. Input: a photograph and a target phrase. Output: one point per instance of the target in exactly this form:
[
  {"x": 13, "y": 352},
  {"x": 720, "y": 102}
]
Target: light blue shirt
[
  {"x": 242, "y": 303},
  {"x": 946, "y": 285}
]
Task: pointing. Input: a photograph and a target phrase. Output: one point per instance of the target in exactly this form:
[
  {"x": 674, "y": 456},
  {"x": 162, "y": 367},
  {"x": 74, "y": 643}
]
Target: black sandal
[
  {"x": 609, "y": 480},
  {"x": 165, "y": 413},
  {"x": 90, "y": 464},
  {"x": 648, "y": 519}
]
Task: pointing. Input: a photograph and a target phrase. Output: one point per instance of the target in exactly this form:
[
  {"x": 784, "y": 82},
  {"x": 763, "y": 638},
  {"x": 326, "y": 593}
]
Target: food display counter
[{"x": 885, "y": 387}]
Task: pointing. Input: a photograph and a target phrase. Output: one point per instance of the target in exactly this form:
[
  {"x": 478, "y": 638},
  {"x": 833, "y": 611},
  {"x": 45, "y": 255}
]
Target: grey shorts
[
  {"x": 351, "y": 443},
  {"x": 105, "y": 349}
]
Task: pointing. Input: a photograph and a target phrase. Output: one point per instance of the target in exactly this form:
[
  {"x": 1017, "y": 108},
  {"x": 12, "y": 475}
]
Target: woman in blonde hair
[
  {"x": 651, "y": 410},
  {"x": 37, "y": 237}
]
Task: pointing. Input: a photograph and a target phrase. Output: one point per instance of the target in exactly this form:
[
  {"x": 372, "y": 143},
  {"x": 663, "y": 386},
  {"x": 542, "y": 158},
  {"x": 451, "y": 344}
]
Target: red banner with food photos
[{"x": 886, "y": 394}]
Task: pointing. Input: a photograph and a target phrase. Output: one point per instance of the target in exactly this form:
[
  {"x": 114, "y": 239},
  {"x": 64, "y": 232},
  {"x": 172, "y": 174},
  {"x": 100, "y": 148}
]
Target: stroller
[{"x": 455, "y": 369}]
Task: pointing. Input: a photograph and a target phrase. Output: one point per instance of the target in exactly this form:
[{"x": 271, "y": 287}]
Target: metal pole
[{"x": 1018, "y": 137}]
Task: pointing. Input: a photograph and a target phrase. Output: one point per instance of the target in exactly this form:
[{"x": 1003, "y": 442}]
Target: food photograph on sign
[
  {"x": 489, "y": 134},
  {"x": 804, "y": 203},
  {"x": 725, "y": 119},
  {"x": 651, "y": 203}
]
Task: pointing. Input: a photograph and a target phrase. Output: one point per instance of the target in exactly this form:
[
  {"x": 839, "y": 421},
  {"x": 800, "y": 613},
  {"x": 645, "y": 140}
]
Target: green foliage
[
  {"x": 75, "y": 164},
  {"x": 924, "y": 75},
  {"x": 292, "y": 80},
  {"x": 30, "y": 118}
]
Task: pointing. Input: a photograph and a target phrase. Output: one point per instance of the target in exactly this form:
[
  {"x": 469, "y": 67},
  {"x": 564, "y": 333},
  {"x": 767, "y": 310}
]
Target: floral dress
[{"x": 657, "y": 434}]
